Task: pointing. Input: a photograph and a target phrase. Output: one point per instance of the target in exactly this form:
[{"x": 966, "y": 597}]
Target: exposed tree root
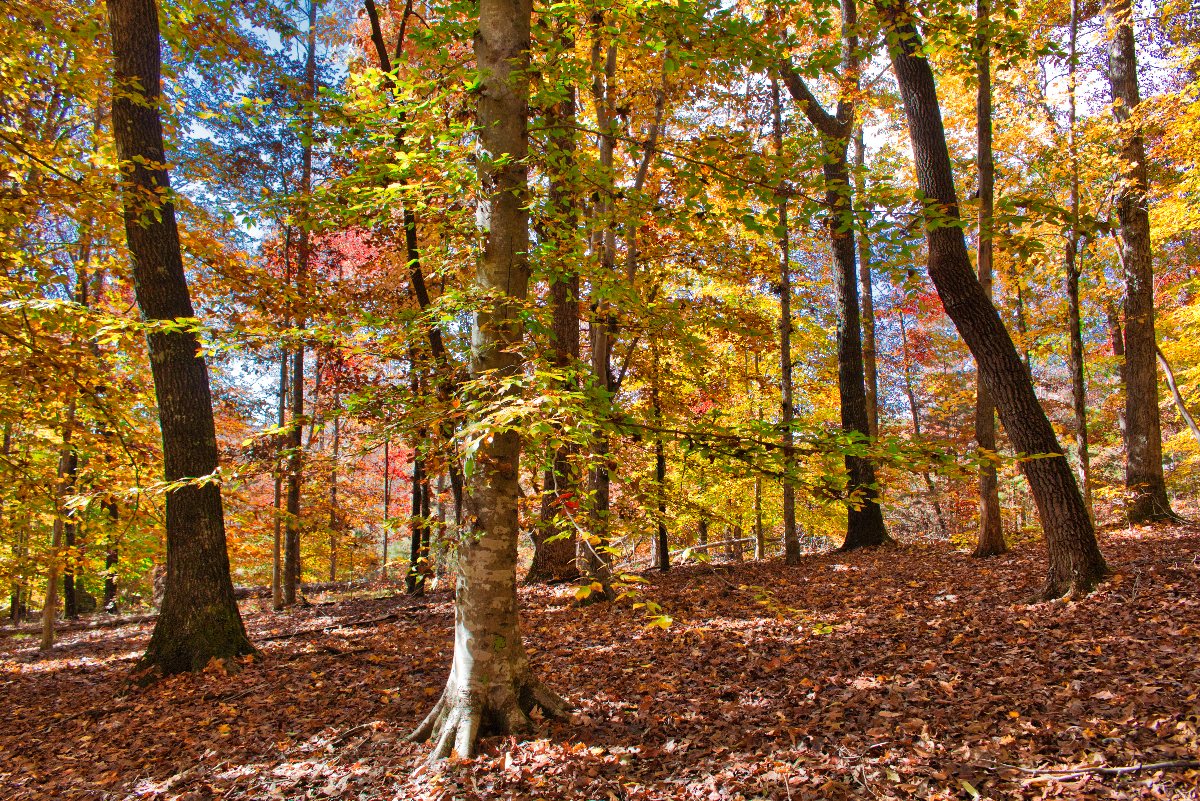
[{"x": 463, "y": 715}]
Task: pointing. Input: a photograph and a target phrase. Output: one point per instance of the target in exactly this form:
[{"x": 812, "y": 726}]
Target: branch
[
  {"x": 821, "y": 119},
  {"x": 1063, "y": 774},
  {"x": 1187, "y": 418}
]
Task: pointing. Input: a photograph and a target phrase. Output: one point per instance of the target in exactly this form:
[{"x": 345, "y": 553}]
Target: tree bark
[
  {"x": 1073, "y": 262},
  {"x": 335, "y": 516},
  {"x": 870, "y": 361},
  {"x": 990, "y": 538},
  {"x": 1143, "y": 453},
  {"x": 791, "y": 543},
  {"x": 277, "y": 539},
  {"x": 111, "y": 557},
  {"x": 491, "y": 687},
  {"x": 387, "y": 505},
  {"x": 63, "y": 486},
  {"x": 602, "y": 329},
  {"x": 914, "y": 407},
  {"x": 864, "y": 517},
  {"x": 292, "y": 567},
  {"x": 414, "y": 580},
  {"x": 555, "y": 544},
  {"x": 1177, "y": 395},
  {"x": 446, "y": 381},
  {"x": 1076, "y": 564},
  {"x": 199, "y": 618},
  {"x": 662, "y": 548}
]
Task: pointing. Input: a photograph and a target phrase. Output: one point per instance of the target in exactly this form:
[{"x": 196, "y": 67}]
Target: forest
[{"x": 656, "y": 399}]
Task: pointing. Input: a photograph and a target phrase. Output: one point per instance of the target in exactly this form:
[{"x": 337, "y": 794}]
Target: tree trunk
[
  {"x": 387, "y": 506},
  {"x": 555, "y": 544},
  {"x": 1076, "y": 564},
  {"x": 1073, "y": 262},
  {"x": 791, "y": 543},
  {"x": 864, "y": 518},
  {"x": 62, "y": 488},
  {"x": 69, "y": 531},
  {"x": 445, "y": 381},
  {"x": 292, "y": 568},
  {"x": 111, "y": 558},
  {"x": 414, "y": 580},
  {"x": 335, "y": 517},
  {"x": 870, "y": 361},
  {"x": 1117, "y": 340},
  {"x": 597, "y": 558},
  {"x": 662, "y": 548},
  {"x": 277, "y": 539},
  {"x": 990, "y": 539},
  {"x": 199, "y": 618},
  {"x": 1178, "y": 396},
  {"x": 915, "y": 411},
  {"x": 491, "y": 687},
  {"x": 1143, "y": 454}
]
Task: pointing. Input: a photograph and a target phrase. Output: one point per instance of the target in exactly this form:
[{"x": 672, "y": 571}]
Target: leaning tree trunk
[
  {"x": 199, "y": 618},
  {"x": 1076, "y": 564},
  {"x": 1143, "y": 434},
  {"x": 491, "y": 687},
  {"x": 990, "y": 541}
]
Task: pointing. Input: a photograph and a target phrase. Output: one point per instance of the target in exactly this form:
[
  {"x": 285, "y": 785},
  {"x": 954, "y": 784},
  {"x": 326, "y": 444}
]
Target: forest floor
[{"x": 905, "y": 672}]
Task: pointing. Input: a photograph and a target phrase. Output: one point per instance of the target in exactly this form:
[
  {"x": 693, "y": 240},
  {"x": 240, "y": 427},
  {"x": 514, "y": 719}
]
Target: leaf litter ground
[{"x": 903, "y": 672}]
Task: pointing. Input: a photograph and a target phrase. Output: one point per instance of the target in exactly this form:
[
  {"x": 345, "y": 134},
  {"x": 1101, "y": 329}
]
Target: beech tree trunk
[
  {"x": 990, "y": 540},
  {"x": 1076, "y": 564},
  {"x": 199, "y": 618},
  {"x": 1143, "y": 434},
  {"x": 491, "y": 687}
]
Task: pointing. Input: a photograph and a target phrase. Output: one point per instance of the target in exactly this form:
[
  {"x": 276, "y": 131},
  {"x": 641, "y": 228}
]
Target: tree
[
  {"x": 864, "y": 518},
  {"x": 292, "y": 568},
  {"x": 199, "y": 619},
  {"x": 1143, "y": 434},
  {"x": 791, "y": 544},
  {"x": 1072, "y": 260},
  {"x": 1076, "y": 564},
  {"x": 491, "y": 687},
  {"x": 554, "y": 540},
  {"x": 990, "y": 541}
]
